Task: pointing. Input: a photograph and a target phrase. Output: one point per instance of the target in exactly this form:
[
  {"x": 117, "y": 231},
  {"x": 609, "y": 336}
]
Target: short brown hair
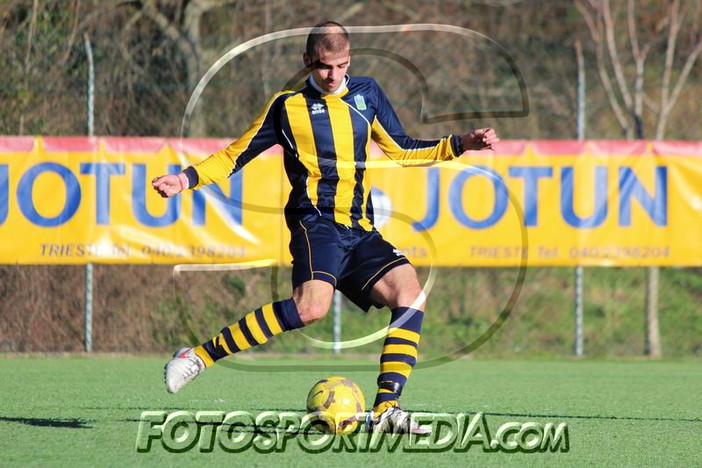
[{"x": 329, "y": 36}]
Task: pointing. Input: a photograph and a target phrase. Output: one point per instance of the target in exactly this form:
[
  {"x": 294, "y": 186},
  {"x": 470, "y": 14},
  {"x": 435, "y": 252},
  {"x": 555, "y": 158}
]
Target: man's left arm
[
  {"x": 480, "y": 139},
  {"x": 388, "y": 133}
]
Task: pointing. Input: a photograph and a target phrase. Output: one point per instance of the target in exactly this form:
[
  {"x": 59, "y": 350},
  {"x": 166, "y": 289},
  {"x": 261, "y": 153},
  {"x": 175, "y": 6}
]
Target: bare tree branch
[
  {"x": 589, "y": 20},
  {"x": 150, "y": 9},
  {"x": 125, "y": 35},
  {"x": 593, "y": 27},
  {"x": 30, "y": 38},
  {"x": 611, "y": 93},
  {"x": 73, "y": 34},
  {"x": 349, "y": 12},
  {"x": 28, "y": 56},
  {"x": 614, "y": 54},
  {"x": 673, "y": 29},
  {"x": 631, "y": 22},
  {"x": 650, "y": 103},
  {"x": 639, "y": 60},
  {"x": 687, "y": 68}
]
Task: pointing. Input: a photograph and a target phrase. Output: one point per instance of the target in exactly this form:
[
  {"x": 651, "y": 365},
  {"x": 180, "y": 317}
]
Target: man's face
[{"x": 329, "y": 70}]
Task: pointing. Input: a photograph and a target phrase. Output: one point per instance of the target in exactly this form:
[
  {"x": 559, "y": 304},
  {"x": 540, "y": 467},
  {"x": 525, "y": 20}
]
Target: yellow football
[{"x": 336, "y": 405}]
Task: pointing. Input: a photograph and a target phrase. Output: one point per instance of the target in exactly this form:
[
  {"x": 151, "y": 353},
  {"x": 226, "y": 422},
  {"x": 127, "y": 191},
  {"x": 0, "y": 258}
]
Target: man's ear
[{"x": 307, "y": 60}]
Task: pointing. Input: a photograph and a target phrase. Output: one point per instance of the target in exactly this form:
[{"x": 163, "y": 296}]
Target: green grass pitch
[{"x": 85, "y": 411}]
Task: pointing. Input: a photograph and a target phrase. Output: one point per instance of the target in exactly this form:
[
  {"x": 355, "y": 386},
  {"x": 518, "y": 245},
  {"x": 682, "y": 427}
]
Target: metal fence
[{"x": 149, "y": 309}]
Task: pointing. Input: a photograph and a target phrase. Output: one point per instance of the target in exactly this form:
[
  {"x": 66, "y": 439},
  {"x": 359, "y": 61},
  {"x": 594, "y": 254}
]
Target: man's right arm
[{"x": 260, "y": 136}]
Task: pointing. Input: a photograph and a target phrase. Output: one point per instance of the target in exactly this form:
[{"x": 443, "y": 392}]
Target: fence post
[
  {"x": 91, "y": 132},
  {"x": 653, "y": 339},
  {"x": 578, "y": 347}
]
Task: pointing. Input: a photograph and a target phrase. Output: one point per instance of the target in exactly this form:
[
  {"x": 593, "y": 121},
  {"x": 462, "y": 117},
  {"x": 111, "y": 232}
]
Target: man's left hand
[{"x": 482, "y": 138}]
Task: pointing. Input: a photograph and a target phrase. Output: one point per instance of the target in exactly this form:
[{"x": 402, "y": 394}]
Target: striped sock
[
  {"x": 398, "y": 357},
  {"x": 252, "y": 330}
]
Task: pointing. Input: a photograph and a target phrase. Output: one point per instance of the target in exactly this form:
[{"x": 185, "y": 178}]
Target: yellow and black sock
[
  {"x": 399, "y": 356},
  {"x": 252, "y": 330}
]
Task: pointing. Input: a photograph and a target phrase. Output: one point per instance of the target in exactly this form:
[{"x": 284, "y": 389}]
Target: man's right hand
[{"x": 170, "y": 185}]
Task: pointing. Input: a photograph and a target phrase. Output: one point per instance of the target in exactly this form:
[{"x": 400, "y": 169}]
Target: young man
[{"x": 325, "y": 128}]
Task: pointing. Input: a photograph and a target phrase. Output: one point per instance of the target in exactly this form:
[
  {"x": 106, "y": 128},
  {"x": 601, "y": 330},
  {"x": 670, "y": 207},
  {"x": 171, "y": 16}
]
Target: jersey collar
[{"x": 340, "y": 91}]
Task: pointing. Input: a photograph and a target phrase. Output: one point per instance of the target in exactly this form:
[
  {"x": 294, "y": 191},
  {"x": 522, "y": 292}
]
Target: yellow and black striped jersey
[{"x": 326, "y": 142}]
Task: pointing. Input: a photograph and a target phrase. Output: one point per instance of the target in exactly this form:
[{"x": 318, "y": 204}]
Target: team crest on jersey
[
  {"x": 360, "y": 102},
  {"x": 318, "y": 108}
]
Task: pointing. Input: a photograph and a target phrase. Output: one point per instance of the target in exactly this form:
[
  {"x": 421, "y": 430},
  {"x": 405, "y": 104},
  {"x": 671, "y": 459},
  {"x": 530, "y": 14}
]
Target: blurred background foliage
[{"x": 150, "y": 54}]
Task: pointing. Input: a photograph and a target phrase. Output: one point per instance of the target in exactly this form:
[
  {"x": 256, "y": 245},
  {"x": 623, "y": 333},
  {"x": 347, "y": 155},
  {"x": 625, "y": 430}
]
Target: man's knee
[
  {"x": 400, "y": 288},
  {"x": 313, "y": 300},
  {"x": 310, "y": 312}
]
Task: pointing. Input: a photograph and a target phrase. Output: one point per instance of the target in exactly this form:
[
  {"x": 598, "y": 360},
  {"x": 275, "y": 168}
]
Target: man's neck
[{"x": 338, "y": 90}]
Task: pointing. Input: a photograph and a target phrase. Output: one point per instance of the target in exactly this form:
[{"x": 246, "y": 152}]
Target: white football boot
[
  {"x": 184, "y": 367},
  {"x": 395, "y": 421}
]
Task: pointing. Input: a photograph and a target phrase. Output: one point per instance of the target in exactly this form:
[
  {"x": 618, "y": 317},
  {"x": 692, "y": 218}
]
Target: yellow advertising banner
[{"x": 74, "y": 200}]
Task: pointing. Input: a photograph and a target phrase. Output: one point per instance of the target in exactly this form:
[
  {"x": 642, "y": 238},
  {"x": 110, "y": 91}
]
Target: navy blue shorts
[{"x": 351, "y": 260}]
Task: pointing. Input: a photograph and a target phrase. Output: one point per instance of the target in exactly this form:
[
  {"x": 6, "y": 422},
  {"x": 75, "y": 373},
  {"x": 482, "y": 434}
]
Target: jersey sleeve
[
  {"x": 260, "y": 136},
  {"x": 388, "y": 133}
]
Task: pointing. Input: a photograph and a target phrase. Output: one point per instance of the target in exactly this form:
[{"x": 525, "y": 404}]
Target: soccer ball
[{"x": 335, "y": 405}]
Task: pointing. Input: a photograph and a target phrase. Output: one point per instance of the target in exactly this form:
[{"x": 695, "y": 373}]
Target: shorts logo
[
  {"x": 360, "y": 102},
  {"x": 318, "y": 108},
  {"x": 398, "y": 253}
]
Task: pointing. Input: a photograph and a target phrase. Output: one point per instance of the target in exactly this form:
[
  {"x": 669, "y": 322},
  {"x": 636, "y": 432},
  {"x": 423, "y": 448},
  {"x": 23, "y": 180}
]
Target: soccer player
[{"x": 325, "y": 127}]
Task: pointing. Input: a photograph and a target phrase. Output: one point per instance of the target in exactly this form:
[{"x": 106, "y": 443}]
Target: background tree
[
  {"x": 646, "y": 41},
  {"x": 669, "y": 34}
]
